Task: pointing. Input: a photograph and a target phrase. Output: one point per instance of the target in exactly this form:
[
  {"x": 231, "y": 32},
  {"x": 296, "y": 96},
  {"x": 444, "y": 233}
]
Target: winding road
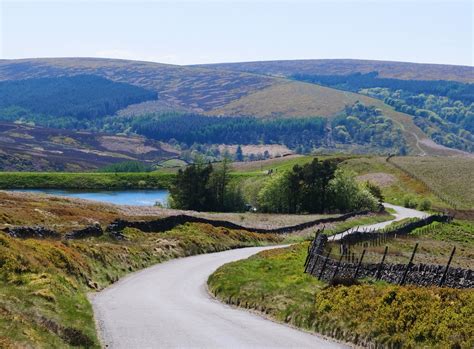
[
  {"x": 400, "y": 213},
  {"x": 168, "y": 306}
]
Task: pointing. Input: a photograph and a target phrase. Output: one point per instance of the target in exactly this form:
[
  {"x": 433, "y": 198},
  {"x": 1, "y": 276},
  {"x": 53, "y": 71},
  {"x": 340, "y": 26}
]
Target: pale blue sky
[{"x": 187, "y": 32}]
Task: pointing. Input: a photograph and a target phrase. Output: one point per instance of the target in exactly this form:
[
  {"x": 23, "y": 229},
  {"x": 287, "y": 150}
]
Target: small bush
[
  {"x": 424, "y": 205},
  {"x": 409, "y": 201}
]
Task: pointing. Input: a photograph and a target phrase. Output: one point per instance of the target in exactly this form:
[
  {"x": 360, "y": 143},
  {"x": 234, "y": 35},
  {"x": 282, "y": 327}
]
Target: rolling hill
[
  {"x": 260, "y": 89},
  {"x": 386, "y": 69},
  {"x": 28, "y": 148},
  {"x": 191, "y": 88},
  {"x": 439, "y": 99}
]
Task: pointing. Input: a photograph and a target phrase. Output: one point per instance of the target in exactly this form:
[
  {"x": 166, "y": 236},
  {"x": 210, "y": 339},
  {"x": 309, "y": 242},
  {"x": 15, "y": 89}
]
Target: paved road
[
  {"x": 401, "y": 213},
  {"x": 167, "y": 306}
]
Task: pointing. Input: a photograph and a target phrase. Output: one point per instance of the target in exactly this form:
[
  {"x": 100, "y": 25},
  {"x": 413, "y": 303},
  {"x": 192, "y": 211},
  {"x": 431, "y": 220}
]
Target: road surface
[
  {"x": 401, "y": 213},
  {"x": 168, "y": 306}
]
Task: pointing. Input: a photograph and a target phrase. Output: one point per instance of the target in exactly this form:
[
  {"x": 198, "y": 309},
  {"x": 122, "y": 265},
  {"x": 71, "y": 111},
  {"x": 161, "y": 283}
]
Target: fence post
[
  {"x": 314, "y": 265},
  {"x": 310, "y": 250},
  {"x": 402, "y": 281},
  {"x": 443, "y": 278},
  {"x": 358, "y": 265},
  {"x": 324, "y": 265},
  {"x": 379, "y": 270},
  {"x": 337, "y": 267}
]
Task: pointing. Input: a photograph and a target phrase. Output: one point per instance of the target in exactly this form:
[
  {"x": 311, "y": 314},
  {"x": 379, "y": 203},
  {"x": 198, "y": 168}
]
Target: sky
[{"x": 194, "y": 32}]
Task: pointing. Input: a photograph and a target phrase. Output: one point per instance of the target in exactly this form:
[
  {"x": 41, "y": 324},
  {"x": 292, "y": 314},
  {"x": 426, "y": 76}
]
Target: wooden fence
[{"x": 347, "y": 265}]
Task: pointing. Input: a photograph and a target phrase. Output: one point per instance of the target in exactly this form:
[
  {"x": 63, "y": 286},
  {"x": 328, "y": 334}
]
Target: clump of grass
[{"x": 396, "y": 316}]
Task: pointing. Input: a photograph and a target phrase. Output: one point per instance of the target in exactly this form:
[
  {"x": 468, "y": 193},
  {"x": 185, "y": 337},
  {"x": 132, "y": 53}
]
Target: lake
[{"x": 119, "y": 197}]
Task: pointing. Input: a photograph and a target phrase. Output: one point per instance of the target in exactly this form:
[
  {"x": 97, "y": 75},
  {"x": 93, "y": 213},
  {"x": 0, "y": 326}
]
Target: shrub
[
  {"x": 375, "y": 190},
  {"x": 347, "y": 195},
  {"x": 424, "y": 205},
  {"x": 409, "y": 201}
]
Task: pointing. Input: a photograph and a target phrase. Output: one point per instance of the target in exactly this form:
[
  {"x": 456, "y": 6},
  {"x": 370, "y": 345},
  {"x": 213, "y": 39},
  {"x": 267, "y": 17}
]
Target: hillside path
[
  {"x": 168, "y": 306},
  {"x": 400, "y": 213}
]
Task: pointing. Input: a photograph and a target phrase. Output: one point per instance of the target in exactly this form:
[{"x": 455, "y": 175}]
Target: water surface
[{"x": 118, "y": 197}]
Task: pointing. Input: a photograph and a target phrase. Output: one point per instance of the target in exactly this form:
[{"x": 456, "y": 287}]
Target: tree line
[
  {"x": 355, "y": 82},
  {"x": 316, "y": 187},
  {"x": 71, "y": 97},
  {"x": 447, "y": 121},
  {"x": 195, "y": 128},
  {"x": 360, "y": 124},
  {"x": 206, "y": 187}
]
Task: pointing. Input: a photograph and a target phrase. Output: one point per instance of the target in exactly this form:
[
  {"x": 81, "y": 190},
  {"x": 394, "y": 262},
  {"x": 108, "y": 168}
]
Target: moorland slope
[
  {"x": 386, "y": 69},
  {"x": 214, "y": 91}
]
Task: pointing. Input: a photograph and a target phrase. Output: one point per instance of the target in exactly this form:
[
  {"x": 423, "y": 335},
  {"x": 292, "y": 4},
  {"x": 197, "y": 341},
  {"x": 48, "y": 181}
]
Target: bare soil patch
[
  {"x": 382, "y": 179},
  {"x": 135, "y": 145},
  {"x": 273, "y": 149}
]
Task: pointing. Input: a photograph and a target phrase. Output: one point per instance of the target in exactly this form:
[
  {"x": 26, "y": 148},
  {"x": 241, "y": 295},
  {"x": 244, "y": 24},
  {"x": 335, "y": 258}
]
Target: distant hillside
[
  {"x": 195, "y": 89},
  {"x": 386, "y": 69},
  {"x": 439, "y": 98},
  {"x": 27, "y": 148},
  {"x": 212, "y": 91}
]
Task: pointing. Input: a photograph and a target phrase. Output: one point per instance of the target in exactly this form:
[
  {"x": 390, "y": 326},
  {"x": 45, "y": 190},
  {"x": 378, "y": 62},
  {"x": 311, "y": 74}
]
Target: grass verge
[
  {"x": 44, "y": 283},
  {"x": 273, "y": 283}
]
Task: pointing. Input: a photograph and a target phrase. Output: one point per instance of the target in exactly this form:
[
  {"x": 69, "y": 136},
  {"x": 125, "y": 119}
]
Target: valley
[
  {"x": 236, "y": 174},
  {"x": 108, "y": 167}
]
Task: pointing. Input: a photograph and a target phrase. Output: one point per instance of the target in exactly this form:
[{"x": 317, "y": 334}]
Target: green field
[
  {"x": 397, "y": 184},
  {"x": 447, "y": 175},
  {"x": 436, "y": 242},
  {"x": 79, "y": 181}
]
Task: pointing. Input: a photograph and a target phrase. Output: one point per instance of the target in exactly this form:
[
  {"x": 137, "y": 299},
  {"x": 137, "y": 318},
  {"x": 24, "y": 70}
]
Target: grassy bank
[
  {"x": 78, "y": 181},
  {"x": 273, "y": 283},
  {"x": 44, "y": 283}
]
